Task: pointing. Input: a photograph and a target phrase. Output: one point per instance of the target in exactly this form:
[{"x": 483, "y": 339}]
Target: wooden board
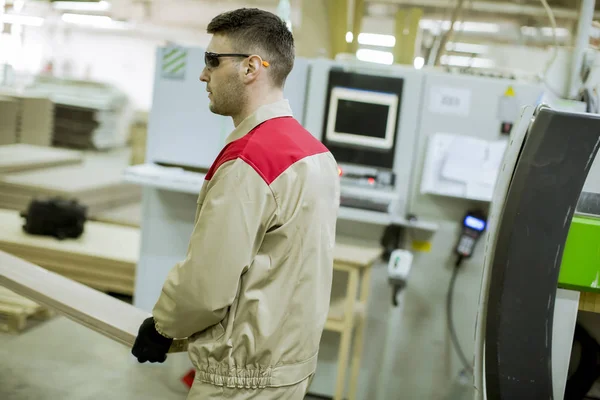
[
  {"x": 127, "y": 215},
  {"x": 96, "y": 310},
  {"x": 22, "y": 157}
]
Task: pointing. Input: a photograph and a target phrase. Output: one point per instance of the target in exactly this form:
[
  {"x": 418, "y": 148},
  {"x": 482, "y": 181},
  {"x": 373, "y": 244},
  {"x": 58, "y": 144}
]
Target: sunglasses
[{"x": 212, "y": 59}]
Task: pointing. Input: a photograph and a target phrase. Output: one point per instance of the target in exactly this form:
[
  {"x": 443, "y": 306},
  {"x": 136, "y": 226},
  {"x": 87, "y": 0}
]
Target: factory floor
[{"x": 59, "y": 359}]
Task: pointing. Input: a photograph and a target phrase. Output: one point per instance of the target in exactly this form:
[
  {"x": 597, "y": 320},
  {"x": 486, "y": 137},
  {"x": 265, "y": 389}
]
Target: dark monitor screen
[{"x": 361, "y": 118}]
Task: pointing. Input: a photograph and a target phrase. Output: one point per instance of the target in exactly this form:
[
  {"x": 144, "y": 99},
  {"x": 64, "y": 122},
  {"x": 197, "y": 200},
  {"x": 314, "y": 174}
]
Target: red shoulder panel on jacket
[{"x": 271, "y": 148}]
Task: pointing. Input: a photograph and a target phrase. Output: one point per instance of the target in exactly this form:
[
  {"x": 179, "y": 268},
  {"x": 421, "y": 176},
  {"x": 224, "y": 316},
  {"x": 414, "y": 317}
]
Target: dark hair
[{"x": 254, "y": 30}]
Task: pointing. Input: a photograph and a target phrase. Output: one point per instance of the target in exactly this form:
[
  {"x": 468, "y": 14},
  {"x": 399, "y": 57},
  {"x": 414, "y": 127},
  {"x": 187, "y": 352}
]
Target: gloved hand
[{"x": 150, "y": 345}]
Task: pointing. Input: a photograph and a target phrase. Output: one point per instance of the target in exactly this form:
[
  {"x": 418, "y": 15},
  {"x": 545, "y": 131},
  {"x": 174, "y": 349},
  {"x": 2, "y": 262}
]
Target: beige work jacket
[{"x": 253, "y": 292}]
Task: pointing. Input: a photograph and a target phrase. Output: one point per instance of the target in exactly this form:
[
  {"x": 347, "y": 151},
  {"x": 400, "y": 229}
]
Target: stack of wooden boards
[
  {"x": 87, "y": 115},
  {"x": 104, "y": 257},
  {"x": 18, "y": 312},
  {"x": 26, "y": 118},
  {"x": 94, "y": 178}
]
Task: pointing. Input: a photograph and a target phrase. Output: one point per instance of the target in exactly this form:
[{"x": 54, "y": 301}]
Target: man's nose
[{"x": 204, "y": 75}]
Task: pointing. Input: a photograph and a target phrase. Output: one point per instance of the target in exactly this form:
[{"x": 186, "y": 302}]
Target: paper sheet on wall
[{"x": 462, "y": 166}]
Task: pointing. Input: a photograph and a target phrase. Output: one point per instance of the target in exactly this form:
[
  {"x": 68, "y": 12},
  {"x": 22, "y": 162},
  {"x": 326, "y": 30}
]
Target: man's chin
[{"x": 217, "y": 110}]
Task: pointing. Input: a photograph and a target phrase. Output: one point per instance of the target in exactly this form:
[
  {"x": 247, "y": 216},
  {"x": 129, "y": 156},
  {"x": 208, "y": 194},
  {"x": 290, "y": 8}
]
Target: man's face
[{"x": 226, "y": 91}]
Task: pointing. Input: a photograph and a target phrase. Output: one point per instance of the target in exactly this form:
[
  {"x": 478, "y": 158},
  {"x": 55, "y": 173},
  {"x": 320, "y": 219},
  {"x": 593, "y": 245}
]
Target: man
[{"x": 252, "y": 294}]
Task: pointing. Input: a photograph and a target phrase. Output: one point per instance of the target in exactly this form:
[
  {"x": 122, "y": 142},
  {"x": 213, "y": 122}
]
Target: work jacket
[{"x": 252, "y": 294}]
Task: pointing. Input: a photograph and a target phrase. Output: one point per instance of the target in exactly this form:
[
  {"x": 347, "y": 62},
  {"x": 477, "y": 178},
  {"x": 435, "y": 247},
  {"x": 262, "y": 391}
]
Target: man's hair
[{"x": 262, "y": 32}]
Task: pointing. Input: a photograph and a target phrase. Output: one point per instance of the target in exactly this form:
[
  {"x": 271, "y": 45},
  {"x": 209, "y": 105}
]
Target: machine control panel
[
  {"x": 473, "y": 226},
  {"x": 366, "y": 177}
]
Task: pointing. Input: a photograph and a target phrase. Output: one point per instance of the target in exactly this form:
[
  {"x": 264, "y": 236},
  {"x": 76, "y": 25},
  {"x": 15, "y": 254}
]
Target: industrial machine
[
  {"x": 367, "y": 116},
  {"x": 535, "y": 199}
]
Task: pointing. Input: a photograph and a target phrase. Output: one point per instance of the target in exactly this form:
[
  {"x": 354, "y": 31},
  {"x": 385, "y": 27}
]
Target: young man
[{"x": 252, "y": 294}]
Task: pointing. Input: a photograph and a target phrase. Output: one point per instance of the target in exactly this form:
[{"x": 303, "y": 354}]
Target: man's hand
[{"x": 150, "y": 345}]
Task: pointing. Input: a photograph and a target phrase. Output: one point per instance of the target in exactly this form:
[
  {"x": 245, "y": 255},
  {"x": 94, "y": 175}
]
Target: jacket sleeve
[{"x": 236, "y": 212}]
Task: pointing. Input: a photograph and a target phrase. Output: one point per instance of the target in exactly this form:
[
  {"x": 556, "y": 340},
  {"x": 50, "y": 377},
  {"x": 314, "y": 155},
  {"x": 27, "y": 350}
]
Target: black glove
[{"x": 149, "y": 344}]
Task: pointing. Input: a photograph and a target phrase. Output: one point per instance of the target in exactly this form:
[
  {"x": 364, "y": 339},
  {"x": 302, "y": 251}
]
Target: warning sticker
[
  {"x": 173, "y": 63},
  {"x": 510, "y": 92}
]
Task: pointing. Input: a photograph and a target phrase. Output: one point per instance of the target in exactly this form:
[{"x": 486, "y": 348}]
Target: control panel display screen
[
  {"x": 474, "y": 223},
  {"x": 361, "y": 118}
]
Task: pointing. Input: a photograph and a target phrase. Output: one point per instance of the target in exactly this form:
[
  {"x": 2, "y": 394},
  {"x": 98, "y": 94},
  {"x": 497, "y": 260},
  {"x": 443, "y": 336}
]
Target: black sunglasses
[{"x": 212, "y": 59}]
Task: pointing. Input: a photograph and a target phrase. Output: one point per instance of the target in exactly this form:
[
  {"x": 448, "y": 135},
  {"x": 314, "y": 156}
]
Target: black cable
[{"x": 453, "y": 336}]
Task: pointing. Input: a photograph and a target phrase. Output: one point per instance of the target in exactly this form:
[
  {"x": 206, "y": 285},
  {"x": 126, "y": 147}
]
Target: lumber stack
[
  {"x": 26, "y": 118},
  {"x": 87, "y": 115},
  {"x": 96, "y": 183},
  {"x": 23, "y": 157},
  {"x": 9, "y": 116},
  {"x": 18, "y": 312},
  {"x": 104, "y": 257},
  {"x": 36, "y": 120}
]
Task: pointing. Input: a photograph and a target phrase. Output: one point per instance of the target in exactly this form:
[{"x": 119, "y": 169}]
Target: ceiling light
[
  {"x": 376, "y": 39},
  {"x": 82, "y": 19},
  {"x": 463, "y": 61},
  {"x": 546, "y": 31},
  {"x": 419, "y": 62},
  {"x": 375, "y": 56},
  {"x": 22, "y": 19},
  {"x": 470, "y": 48},
  {"x": 560, "y": 32},
  {"x": 467, "y": 26},
  {"x": 81, "y": 6},
  {"x": 349, "y": 37}
]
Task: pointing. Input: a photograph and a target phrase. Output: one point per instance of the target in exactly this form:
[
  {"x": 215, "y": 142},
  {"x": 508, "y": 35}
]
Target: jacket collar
[{"x": 277, "y": 109}]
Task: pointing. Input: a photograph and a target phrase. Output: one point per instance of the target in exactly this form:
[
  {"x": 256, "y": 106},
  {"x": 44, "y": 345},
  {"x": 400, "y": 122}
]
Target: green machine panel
[{"x": 580, "y": 267}]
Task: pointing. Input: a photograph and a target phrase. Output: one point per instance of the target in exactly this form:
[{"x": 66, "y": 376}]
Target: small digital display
[
  {"x": 474, "y": 223},
  {"x": 362, "y": 119}
]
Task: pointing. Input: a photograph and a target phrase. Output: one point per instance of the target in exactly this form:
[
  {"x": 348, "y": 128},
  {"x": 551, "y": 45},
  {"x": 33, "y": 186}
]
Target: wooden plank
[
  {"x": 21, "y": 157},
  {"x": 96, "y": 310}
]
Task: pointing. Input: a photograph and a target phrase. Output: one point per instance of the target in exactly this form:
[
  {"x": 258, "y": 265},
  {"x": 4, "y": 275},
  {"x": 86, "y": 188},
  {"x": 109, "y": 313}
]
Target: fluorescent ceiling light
[
  {"x": 560, "y": 32},
  {"x": 81, "y": 6},
  {"x": 376, "y": 39},
  {"x": 463, "y": 61},
  {"x": 470, "y": 48},
  {"x": 419, "y": 62},
  {"x": 375, "y": 56},
  {"x": 82, "y": 19},
  {"x": 467, "y": 26},
  {"x": 546, "y": 31},
  {"x": 372, "y": 39},
  {"x": 22, "y": 19}
]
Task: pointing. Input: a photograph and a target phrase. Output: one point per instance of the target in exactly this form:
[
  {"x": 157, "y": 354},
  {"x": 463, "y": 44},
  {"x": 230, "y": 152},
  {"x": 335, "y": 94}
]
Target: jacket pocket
[{"x": 210, "y": 334}]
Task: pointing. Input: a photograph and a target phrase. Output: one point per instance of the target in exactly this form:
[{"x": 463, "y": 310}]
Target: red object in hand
[{"x": 188, "y": 379}]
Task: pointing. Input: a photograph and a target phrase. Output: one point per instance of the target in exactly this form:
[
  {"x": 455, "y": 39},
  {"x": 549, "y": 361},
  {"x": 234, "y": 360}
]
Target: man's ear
[{"x": 252, "y": 68}]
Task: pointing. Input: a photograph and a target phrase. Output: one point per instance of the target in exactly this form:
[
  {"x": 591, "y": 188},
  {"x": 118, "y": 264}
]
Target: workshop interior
[{"x": 466, "y": 133}]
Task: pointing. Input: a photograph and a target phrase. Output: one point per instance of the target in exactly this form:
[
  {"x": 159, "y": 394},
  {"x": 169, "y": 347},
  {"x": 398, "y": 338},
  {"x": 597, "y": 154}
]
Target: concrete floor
[{"x": 59, "y": 359}]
